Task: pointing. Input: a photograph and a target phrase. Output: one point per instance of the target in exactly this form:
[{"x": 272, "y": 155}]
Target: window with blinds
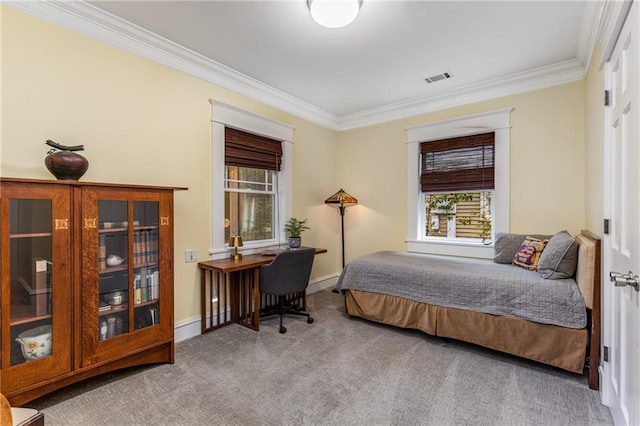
[
  {"x": 457, "y": 182},
  {"x": 242, "y": 149},
  {"x": 252, "y": 163}
]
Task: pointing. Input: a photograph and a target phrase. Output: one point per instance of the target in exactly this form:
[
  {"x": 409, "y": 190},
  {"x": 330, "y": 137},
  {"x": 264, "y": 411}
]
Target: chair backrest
[{"x": 288, "y": 273}]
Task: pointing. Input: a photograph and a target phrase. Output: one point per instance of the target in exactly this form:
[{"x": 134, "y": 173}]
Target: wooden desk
[{"x": 230, "y": 291}]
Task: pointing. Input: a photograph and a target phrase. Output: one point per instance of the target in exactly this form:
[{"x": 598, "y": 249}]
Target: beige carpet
[{"x": 336, "y": 371}]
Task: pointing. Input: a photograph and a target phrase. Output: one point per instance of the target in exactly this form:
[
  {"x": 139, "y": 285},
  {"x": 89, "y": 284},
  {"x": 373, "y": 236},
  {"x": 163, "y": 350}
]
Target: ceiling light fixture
[{"x": 334, "y": 13}]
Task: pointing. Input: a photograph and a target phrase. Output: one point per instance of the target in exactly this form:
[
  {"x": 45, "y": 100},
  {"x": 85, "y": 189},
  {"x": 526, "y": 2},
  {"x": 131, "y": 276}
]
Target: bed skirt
[{"x": 549, "y": 344}]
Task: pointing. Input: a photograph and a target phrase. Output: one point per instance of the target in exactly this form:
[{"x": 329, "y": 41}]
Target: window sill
[
  {"x": 248, "y": 248},
  {"x": 451, "y": 248}
]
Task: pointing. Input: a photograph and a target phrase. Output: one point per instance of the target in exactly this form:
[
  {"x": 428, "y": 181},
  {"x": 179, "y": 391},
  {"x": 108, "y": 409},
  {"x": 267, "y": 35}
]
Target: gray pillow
[
  {"x": 506, "y": 245},
  {"x": 559, "y": 257}
]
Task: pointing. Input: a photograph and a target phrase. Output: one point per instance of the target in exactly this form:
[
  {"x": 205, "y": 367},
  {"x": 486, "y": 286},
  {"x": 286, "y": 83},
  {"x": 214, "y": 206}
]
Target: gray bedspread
[{"x": 469, "y": 284}]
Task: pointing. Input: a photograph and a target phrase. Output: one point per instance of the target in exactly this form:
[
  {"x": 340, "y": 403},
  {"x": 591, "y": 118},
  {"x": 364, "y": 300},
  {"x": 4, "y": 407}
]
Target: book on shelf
[
  {"x": 136, "y": 248},
  {"x": 154, "y": 315},
  {"x": 104, "y": 306},
  {"x": 102, "y": 252},
  {"x": 146, "y": 285},
  {"x": 137, "y": 289},
  {"x": 145, "y": 247}
]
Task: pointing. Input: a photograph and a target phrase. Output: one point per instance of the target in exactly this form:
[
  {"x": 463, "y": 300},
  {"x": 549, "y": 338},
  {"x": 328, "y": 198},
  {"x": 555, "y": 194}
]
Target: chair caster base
[
  {"x": 283, "y": 330},
  {"x": 309, "y": 320}
]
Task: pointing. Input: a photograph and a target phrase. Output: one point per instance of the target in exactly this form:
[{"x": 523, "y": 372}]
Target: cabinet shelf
[
  {"x": 18, "y": 320},
  {"x": 31, "y": 235},
  {"x": 147, "y": 303},
  {"x": 112, "y": 230},
  {"x": 122, "y": 229},
  {"x": 114, "y": 310},
  {"x": 112, "y": 269}
]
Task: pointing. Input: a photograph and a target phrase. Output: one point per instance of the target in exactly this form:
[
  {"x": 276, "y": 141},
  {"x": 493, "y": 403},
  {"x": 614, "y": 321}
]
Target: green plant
[
  {"x": 446, "y": 203},
  {"x": 295, "y": 227}
]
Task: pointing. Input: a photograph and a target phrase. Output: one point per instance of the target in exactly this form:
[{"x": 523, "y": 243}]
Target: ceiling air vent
[{"x": 437, "y": 77}]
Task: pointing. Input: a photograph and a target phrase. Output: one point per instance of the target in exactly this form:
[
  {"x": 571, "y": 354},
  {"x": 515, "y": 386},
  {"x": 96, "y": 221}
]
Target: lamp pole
[
  {"x": 343, "y": 199},
  {"x": 342, "y": 211}
]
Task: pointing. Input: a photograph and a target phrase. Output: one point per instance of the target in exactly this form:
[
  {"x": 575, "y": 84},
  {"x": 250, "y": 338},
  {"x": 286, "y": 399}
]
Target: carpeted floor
[{"x": 336, "y": 371}]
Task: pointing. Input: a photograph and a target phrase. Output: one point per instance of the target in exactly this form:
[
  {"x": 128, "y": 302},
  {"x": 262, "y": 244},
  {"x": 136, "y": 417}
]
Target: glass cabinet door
[
  {"x": 30, "y": 275},
  {"x": 113, "y": 268},
  {"x": 121, "y": 253},
  {"x": 123, "y": 244},
  {"x": 146, "y": 274},
  {"x": 36, "y": 287}
]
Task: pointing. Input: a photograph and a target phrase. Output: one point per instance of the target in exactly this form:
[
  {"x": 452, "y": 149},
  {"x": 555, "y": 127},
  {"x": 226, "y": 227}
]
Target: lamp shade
[
  {"x": 341, "y": 197},
  {"x": 235, "y": 242},
  {"x": 334, "y": 13}
]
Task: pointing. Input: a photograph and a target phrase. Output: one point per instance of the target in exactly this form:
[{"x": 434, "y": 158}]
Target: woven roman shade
[
  {"x": 242, "y": 149},
  {"x": 458, "y": 164}
]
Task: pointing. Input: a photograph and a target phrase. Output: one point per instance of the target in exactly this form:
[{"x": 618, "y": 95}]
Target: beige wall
[
  {"x": 547, "y": 168},
  {"x": 594, "y": 207},
  {"x": 141, "y": 123},
  {"x": 144, "y": 123}
]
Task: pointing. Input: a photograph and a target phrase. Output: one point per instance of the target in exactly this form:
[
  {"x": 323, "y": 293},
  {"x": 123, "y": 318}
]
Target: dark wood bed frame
[{"x": 594, "y": 323}]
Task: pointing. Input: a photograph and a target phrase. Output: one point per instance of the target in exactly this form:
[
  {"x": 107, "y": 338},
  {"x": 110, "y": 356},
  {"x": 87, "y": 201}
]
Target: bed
[{"x": 493, "y": 304}]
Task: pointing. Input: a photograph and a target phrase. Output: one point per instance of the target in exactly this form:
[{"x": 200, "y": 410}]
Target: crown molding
[
  {"x": 93, "y": 22},
  {"x": 612, "y": 15},
  {"x": 552, "y": 75},
  {"x": 588, "y": 38},
  {"x": 96, "y": 23}
]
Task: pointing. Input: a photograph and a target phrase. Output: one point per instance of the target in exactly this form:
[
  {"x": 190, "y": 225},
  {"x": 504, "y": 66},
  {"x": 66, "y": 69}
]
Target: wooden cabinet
[{"x": 87, "y": 282}]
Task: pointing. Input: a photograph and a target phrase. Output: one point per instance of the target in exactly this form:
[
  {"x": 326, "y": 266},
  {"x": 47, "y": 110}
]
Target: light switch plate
[{"x": 191, "y": 255}]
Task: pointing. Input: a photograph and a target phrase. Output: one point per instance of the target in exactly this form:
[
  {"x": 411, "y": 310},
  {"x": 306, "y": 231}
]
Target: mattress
[{"x": 469, "y": 284}]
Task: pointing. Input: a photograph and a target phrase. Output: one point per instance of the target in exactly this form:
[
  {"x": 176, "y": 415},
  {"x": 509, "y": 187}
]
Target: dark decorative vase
[
  {"x": 295, "y": 242},
  {"x": 66, "y": 165}
]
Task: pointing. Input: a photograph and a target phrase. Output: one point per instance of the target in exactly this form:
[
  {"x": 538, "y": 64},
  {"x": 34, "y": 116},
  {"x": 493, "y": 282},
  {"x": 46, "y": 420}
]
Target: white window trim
[
  {"x": 497, "y": 121},
  {"x": 225, "y": 115}
]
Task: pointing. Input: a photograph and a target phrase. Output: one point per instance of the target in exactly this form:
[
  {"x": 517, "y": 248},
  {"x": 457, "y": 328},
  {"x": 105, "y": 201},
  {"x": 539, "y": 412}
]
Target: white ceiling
[{"x": 380, "y": 61}]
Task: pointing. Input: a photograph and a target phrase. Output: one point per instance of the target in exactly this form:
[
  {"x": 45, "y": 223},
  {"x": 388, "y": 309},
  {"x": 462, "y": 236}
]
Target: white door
[{"x": 621, "y": 319}]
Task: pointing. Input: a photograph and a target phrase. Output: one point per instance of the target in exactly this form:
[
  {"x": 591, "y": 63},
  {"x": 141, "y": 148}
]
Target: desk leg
[
  {"x": 217, "y": 300},
  {"x": 248, "y": 298},
  {"x": 234, "y": 295},
  {"x": 255, "y": 303},
  {"x": 224, "y": 300},
  {"x": 203, "y": 301}
]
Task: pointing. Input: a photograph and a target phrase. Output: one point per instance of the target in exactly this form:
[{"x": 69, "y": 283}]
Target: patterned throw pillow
[
  {"x": 529, "y": 253},
  {"x": 506, "y": 245}
]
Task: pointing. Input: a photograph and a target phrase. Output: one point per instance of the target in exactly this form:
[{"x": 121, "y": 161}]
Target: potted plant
[{"x": 294, "y": 228}]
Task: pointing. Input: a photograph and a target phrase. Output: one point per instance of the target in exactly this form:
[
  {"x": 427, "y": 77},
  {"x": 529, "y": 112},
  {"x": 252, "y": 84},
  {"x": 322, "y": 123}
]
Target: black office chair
[{"x": 288, "y": 274}]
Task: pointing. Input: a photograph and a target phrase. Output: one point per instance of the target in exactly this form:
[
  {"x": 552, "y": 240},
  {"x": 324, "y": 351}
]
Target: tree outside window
[
  {"x": 250, "y": 197},
  {"x": 458, "y": 215}
]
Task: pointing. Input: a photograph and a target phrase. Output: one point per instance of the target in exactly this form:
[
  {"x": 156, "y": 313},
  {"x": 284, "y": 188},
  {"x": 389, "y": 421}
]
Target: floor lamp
[{"x": 343, "y": 200}]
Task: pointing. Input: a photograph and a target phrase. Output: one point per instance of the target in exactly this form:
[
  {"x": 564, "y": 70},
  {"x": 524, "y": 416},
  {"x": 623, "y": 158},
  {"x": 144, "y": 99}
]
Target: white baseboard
[
  {"x": 322, "y": 284},
  {"x": 191, "y": 327}
]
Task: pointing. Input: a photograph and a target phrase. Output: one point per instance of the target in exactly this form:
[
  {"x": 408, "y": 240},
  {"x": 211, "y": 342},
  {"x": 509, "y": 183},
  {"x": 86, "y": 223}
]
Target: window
[
  {"x": 463, "y": 213},
  {"x": 457, "y": 181},
  {"x": 251, "y": 177},
  {"x": 251, "y": 166},
  {"x": 458, "y": 215},
  {"x": 249, "y": 203}
]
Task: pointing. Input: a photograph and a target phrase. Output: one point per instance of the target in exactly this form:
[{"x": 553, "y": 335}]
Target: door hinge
[
  {"x": 607, "y": 98},
  {"x": 606, "y": 354},
  {"x": 606, "y": 227}
]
